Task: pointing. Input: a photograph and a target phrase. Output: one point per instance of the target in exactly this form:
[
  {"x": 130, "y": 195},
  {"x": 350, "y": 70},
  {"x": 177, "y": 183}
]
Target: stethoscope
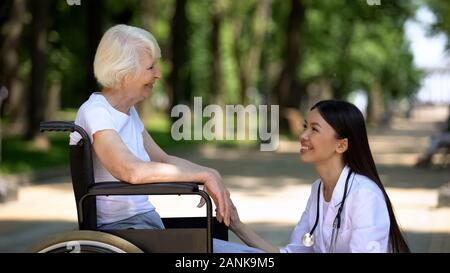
[{"x": 308, "y": 238}]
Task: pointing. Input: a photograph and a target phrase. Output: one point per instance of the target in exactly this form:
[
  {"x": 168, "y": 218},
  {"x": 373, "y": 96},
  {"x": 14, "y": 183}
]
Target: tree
[
  {"x": 39, "y": 11},
  {"x": 94, "y": 33},
  {"x": 216, "y": 58},
  {"x": 9, "y": 62},
  {"x": 441, "y": 10},
  {"x": 179, "y": 75},
  {"x": 250, "y": 28},
  {"x": 288, "y": 93},
  {"x": 360, "y": 47}
]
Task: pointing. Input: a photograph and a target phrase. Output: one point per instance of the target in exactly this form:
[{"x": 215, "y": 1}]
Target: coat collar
[
  {"x": 338, "y": 191},
  {"x": 326, "y": 224}
]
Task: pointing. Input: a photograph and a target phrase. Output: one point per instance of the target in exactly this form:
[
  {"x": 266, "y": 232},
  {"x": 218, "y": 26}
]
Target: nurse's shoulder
[
  {"x": 364, "y": 188},
  {"x": 367, "y": 203}
]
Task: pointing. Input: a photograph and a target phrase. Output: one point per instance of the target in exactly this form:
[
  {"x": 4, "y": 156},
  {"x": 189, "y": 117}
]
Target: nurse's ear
[{"x": 342, "y": 146}]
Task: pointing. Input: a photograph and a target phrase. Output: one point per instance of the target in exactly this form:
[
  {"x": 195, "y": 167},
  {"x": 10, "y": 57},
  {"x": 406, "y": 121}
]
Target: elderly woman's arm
[
  {"x": 247, "y": 235},
  {"x": 124, "y": 165},
  {"x": 157, "y": 154}
]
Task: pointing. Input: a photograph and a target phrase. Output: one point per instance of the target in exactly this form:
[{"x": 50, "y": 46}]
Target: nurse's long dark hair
[{"x": 348, "y": 122}]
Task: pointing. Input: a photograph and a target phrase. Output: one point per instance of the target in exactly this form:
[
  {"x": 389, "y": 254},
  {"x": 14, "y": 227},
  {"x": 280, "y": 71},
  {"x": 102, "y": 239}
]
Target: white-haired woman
[{"x": 126, "y": 66}]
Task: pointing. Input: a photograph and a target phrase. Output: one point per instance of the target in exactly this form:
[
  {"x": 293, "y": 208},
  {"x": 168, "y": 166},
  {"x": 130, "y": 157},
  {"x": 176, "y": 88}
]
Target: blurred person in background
[{"x": 441, "y": 140}]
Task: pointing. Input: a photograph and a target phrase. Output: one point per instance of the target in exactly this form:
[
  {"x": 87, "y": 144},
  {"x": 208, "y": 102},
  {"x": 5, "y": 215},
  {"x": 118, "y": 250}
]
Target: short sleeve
[
  {"x": 137, "y": 119},
  {"x": 92, "y": 119}
]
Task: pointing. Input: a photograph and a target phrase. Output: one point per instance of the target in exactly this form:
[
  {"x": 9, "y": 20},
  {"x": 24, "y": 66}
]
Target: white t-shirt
[{"x": 97, "y": 114}]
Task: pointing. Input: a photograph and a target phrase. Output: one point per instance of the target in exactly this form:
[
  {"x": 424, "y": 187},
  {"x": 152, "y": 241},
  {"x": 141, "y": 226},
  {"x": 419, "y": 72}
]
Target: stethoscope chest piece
[{"x": 308, "y": 240}]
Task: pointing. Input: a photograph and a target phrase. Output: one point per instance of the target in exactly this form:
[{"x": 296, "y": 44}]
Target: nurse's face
[{"x": 318, "y": 140}]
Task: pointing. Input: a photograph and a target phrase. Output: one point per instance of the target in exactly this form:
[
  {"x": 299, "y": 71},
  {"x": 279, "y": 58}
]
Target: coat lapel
[
  {"x": 326, "y": 225},
  {"x": 320, "y": 228}
]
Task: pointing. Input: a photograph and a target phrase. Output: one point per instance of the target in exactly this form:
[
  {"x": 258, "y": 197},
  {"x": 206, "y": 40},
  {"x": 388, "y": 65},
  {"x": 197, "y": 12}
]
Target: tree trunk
[
  {"x": 53, "y": 100},
  {"x": 375, "y": 104},
  {"x": 317, "y": 90},
  {"x": 179, "y": 76},
  {"x": 94, "y": 34},
  {"x": 39, "y": 11},
  {"x": 287, "y": 89},
  {"x": 216, "y": 58},
  {"x": 9, "y": 63},
  {"x": 249, "y": 61}
]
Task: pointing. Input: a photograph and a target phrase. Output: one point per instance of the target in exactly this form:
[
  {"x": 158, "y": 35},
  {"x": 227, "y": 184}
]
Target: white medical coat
[{"x": 364, "y": 218}]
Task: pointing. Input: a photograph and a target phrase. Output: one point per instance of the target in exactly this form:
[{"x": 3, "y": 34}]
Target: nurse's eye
[
  {"x": 314, "y": 129},
  {"x": 305, "y": 126}
]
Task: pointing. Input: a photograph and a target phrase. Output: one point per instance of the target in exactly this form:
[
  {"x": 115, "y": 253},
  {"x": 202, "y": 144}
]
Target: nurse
[{"x": 348, "y": 209}]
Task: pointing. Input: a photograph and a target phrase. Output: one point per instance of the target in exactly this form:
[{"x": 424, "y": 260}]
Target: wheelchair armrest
[{"x": 123, "y": 188}]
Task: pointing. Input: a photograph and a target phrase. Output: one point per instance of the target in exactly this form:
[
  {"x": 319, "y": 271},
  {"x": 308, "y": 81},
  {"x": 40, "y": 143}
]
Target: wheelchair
[{"x": 181, "y": 234}]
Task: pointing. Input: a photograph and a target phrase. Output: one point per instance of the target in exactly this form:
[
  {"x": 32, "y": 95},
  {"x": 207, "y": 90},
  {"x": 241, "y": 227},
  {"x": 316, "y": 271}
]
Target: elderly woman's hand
[
  {"x": 235, "y": 221},
  {"x": 221, "y": 196}
]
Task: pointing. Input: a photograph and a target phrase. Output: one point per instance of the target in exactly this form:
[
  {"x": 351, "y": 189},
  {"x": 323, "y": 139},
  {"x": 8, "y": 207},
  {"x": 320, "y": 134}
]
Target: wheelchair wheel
[{"x": 85, "y": 241}]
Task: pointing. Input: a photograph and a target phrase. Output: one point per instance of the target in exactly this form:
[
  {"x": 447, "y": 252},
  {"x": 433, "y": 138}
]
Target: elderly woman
[{"x": 126, "y": 66}]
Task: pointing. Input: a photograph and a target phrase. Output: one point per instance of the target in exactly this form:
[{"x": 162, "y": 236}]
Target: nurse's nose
[{"x": 303, "y": 135}]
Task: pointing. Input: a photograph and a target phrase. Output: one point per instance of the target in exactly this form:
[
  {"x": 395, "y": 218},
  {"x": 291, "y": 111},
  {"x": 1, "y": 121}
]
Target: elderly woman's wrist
[
  {"x": 236, "y": 226},
  {"x": 207, "y": 177}
]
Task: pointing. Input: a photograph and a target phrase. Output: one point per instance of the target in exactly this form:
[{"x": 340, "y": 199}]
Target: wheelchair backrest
[
  {"x": 82, "y": 173},
  {"x": 81, "y": 170}
]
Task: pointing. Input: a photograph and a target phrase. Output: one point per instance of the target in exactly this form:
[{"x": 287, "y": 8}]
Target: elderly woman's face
[{"x": 141, "y": 86}]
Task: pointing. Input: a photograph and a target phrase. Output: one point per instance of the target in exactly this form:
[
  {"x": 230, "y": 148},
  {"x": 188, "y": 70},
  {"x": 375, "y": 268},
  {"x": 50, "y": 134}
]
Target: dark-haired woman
[{"x": 348, "y": 209}]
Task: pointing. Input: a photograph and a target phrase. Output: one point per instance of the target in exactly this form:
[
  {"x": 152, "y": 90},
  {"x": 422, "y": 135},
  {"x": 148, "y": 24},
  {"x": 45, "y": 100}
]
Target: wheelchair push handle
[
  {"x": 63, "y": 126},
  {"x": 60, "y": 126}
]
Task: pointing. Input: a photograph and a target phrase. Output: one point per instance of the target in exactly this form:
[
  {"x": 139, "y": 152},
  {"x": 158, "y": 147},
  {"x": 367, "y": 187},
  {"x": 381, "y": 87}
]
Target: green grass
[{"x": 20, "y": 156}]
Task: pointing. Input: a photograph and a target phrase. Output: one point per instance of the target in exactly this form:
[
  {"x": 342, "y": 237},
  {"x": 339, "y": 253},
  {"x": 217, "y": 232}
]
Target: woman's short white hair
[{"x": 118, "y": 54}]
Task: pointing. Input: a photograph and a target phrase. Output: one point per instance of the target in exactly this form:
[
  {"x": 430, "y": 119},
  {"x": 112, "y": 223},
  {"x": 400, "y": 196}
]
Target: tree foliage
[{"x": 255, "y": 51}]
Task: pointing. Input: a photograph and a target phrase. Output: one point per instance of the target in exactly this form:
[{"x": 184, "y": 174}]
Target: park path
[{"x": 269, "y": 189}]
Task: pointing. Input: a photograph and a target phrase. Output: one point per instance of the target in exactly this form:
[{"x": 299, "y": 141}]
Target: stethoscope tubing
[{"x": 337, "y": 219}]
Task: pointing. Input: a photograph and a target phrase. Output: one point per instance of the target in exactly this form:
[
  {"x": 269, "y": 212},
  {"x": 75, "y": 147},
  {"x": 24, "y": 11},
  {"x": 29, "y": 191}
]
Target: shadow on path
[
  {"x": 18, "y": 236},
  {"x": 418, "y": 242}
]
